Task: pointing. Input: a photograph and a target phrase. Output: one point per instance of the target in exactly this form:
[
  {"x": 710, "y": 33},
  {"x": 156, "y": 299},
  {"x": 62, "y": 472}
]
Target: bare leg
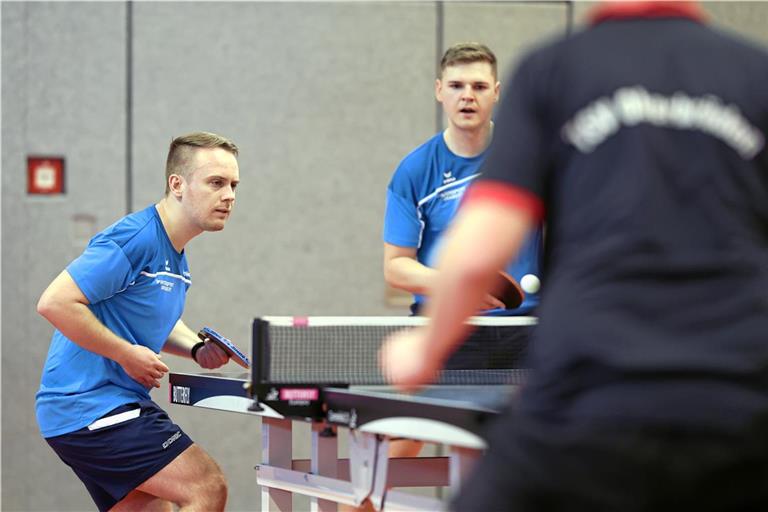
[
  {"x": 193, "y": 481},
  {"x": 138, "y": 501}
]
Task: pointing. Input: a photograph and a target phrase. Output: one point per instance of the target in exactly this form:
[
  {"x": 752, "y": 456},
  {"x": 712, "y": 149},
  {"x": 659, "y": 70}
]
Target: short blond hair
[
  {"x": 180, "y": 151},
  {"x": 467, "y": 53}
]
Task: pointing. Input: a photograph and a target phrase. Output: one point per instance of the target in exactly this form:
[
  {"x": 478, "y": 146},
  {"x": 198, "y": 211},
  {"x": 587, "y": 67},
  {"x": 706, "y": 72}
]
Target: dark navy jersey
[{"x": 643, "y": 140}]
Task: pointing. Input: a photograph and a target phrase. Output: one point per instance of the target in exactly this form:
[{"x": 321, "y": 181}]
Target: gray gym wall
[{"x": 323, "y": 99}]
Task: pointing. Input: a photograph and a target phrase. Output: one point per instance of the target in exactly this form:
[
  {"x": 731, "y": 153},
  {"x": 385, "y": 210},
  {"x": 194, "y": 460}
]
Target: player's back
[
  {"x": 657, "y": 222},
  {"x": 665, "y": 136}
]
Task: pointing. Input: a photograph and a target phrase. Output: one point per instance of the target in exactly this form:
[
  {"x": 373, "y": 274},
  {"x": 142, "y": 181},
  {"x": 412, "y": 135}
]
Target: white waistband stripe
[{"x": 114, "y": 420}]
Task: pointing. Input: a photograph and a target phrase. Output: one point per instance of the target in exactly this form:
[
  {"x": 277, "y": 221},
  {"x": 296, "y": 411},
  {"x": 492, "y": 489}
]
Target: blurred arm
[{"x": 482, "y": 239}]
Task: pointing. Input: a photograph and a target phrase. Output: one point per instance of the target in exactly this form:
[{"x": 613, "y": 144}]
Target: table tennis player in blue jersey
[
  {"x": 115, "y": 308},
  {"x": 642, "y": 141},
  {"x": 427, "y": 187}
]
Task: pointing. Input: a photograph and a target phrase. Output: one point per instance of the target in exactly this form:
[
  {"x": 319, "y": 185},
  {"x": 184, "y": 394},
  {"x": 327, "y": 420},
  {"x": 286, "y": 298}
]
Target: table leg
[
  {"x": 324, "y": 461},
  {"x": 380, "y": 472},
  {"x": 276, "y": 451},
  {"x": 462, "y": 460},
  {"x": 362, "y": 463}
]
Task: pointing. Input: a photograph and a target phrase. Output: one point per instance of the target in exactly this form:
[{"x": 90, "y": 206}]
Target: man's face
[
  {"x": 208, "y": 191},
  {"x": 468, "y": 93}
]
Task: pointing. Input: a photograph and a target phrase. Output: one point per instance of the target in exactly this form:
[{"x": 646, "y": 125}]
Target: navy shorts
[
  {"x": 540, "y": 466},
  {"x": 112, "y": 459}
]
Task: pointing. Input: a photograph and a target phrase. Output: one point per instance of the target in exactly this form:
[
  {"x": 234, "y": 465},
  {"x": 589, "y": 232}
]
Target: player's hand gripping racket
[
  {"x": 508, "y": 291},
  {"x": 206, "y": 333}
]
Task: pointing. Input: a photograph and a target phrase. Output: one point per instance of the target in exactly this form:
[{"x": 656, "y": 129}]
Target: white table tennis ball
[{"x": 530, "y": 283}]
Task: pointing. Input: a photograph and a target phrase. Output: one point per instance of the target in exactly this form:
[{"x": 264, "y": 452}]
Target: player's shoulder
[
  {"x": 417, "y": 162},
  {"x": 543, "y": 58},
  {"x": 136, "y": 227},
  {"x": 739, "y": 44}
]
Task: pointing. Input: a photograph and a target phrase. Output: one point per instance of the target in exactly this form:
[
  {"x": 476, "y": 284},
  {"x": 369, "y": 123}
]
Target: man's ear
[
  {"x": 175, "y": 182},
  {"x": 439, "y": 90}
]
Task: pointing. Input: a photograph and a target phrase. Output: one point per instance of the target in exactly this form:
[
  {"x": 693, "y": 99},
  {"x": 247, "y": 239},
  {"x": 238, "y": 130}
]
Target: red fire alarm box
[{"x": 45, "y": 175}]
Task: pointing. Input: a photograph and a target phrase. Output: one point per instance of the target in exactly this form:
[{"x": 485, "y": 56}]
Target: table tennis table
[{"x": 454, "y": 415}]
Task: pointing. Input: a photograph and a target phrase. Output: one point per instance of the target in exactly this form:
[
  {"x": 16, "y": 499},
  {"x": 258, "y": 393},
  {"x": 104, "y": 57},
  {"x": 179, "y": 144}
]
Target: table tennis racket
[
  {"x": 508, "y": 291},
  {"x": 206, "y": 333}
]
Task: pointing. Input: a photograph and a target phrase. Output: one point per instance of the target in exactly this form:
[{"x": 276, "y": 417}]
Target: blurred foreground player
[
  {"x": 641, "y": 142},
  {"x": 114, "y": 309}
]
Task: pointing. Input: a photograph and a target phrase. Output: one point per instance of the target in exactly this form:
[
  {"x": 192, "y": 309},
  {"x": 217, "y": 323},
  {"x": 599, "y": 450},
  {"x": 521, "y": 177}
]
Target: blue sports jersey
[
  {"x": 136, "y": 284},
  {"x": 422, "y": 199}
]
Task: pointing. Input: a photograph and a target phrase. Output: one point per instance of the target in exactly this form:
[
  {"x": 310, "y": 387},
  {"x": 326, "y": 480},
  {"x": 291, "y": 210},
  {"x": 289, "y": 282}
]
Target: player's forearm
[
  {"x": 181, "y": 340},
  {"x": 481, "y": 241},
  {"x": 408, "y": 274},
  {"x": 76, "y": 321},
  {"x": 457, "y": 296}
]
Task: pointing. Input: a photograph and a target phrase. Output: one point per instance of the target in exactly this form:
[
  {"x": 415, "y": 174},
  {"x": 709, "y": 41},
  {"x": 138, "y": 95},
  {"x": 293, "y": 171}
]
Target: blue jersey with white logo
[
  {"x": 423, "y": 198},
  {"x": 136, "y": 284}
]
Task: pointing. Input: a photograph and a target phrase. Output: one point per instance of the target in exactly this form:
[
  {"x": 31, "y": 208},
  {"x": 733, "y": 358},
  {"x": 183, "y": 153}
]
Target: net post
[{"x": 260, "y": 352}]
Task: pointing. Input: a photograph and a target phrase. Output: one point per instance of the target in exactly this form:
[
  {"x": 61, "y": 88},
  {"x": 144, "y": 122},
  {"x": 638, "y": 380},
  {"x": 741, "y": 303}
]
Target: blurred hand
[
  {"x": 143, "y": 366},
  {"x": 211, "y": 356},
  {"x": 405, "y": 360}
]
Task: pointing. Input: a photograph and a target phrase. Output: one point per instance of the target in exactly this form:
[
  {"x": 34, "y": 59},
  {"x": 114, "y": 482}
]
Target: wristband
[{"x": 197, "y": 347}]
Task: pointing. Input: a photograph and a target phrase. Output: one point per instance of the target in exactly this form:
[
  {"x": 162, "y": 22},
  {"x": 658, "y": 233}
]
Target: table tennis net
[{"x": 345, "y": 350}]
